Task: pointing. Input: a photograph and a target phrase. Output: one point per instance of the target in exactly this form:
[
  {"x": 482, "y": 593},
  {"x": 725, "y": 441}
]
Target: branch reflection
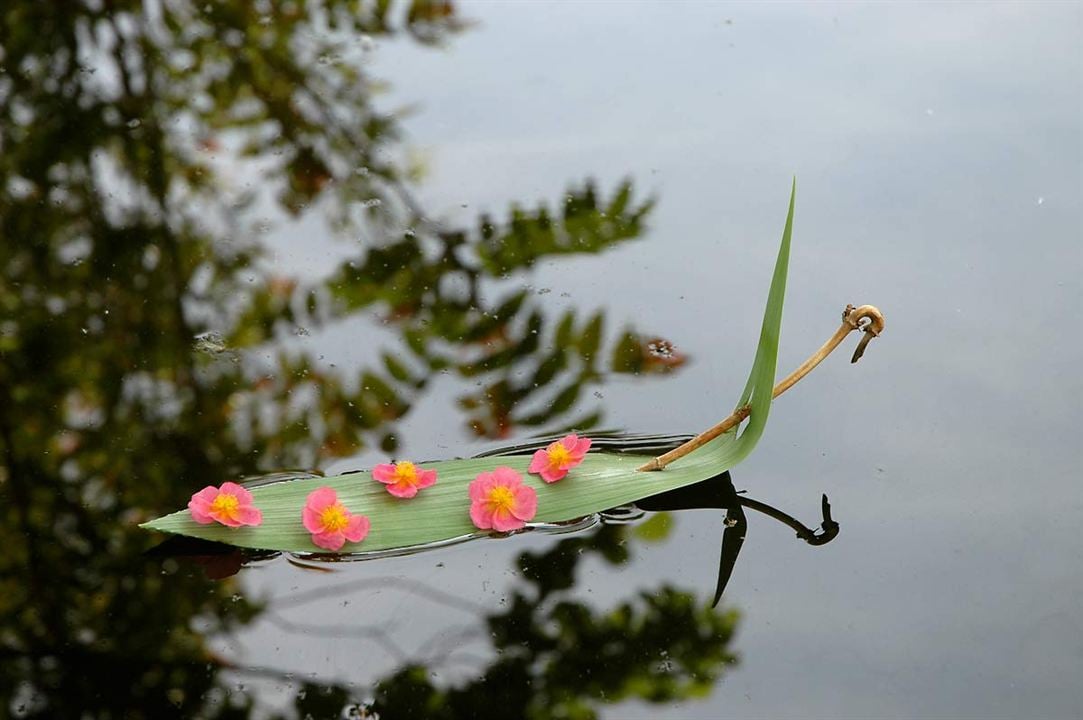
[
  {"x": 143, "y": 340},
  {"x": 550, "y": 653}
]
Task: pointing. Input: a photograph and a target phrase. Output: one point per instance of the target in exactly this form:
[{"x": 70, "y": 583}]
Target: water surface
[{"x": 227, "y": 250}]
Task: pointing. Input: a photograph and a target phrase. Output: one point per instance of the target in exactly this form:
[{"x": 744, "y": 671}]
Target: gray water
[{"x": 937, "y": 154}]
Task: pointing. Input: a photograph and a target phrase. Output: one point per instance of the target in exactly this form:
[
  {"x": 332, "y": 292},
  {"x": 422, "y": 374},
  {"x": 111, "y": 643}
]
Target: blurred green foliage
[{"x": 140, "y": 333}]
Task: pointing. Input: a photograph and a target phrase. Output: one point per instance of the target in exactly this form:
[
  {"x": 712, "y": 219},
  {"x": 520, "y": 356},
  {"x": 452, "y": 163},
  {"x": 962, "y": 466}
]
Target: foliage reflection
[
  {"x": 558, "y": 657},
  {"x": 137, "y": 317}
]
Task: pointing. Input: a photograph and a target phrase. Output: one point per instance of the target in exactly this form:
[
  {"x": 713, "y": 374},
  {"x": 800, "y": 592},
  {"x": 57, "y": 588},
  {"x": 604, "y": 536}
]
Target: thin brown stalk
[{"x": 866, "y": 318}]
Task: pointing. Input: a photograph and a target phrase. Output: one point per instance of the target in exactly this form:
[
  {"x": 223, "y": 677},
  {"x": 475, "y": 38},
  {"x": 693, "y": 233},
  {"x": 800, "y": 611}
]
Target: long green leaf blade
[
  {"x": 441, "y": 512},
  {"x": 761, "y": 381}
]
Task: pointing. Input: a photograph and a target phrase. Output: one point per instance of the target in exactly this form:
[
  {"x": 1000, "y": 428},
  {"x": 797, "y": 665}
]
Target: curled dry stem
[{"x": 866, "y": 318}]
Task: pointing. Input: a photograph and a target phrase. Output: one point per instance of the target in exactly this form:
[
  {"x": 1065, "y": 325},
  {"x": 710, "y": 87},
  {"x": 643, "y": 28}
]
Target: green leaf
[
  {"x": 761, "y": 380},
  {"x": 440, "y": 513}
]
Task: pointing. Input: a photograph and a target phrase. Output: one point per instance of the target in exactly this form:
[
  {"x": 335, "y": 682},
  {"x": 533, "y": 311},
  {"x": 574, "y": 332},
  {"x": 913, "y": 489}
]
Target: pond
[{"x": 239, "y": 239}]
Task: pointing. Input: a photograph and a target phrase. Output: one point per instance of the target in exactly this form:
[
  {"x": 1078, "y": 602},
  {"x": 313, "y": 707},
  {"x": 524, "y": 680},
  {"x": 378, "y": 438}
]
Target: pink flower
[
  {"x": 404, "y": 479},
  {"x": 230, "y": 505},
  {"x": 500, "y": 501},
  {"x": 554, "y": 462},
  {"x": 330, "y": 523}
]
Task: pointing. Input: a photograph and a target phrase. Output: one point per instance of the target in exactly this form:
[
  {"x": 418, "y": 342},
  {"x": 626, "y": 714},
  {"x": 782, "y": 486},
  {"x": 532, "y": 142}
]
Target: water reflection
[
  {"x": 546, "y": 653},
  {"x": 140, "y": 342},
  {"x": 559, "y": 658}
]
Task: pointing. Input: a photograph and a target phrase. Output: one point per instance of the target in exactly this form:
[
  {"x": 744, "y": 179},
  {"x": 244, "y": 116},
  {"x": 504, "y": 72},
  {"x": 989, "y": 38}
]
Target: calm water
[{"x": 237, "y": 238}]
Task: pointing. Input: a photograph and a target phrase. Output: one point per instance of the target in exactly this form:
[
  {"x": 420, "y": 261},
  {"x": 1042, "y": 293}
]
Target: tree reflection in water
[
  {"x": 558, "y": 658},
  {"x": 137, "y": 318},
  {"x": 545, "y": 654}
]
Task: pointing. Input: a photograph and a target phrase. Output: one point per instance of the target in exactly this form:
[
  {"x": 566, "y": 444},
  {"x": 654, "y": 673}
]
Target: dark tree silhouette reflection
[
  {"x": 560, "y": 658},
  {"x": 136, "y": 315}
]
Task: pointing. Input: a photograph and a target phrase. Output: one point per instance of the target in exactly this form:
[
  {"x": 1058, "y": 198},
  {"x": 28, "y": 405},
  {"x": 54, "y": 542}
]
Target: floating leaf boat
[{"x": 440, "y": 513}]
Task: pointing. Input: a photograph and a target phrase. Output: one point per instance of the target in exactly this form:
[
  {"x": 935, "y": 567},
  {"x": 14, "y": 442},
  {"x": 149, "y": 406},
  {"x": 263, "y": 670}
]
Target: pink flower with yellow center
[
  {"x": 230, "y": 505},
  {"x": 404, "y": 479},
  {"x": 330, "y": 523},
  {"x": 554, "y": 462},
  {"x": 500, "y": 501}
]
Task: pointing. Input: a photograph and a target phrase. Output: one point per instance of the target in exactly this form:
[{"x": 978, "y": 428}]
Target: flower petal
[
  {"x": 507, "y": 477},
  {"x": 425, "y": 478},
  {"x": 357, "y": 528},
  {"x": 402, "y": 489},
  {"x": 384, "y": 473},
  {"x": 480, "y": 515},
  {"x": 504, "y": 521},
  {"x": 329, "y": 541},
  {"x": 248, "y": 515},
  {"x": 206, "y": 495},
  {"x": 321, "y": 498},
  {"x": 226, "y": 519},
  {"x": 539, "y": 462},
  {"x": 199, "y": 513},
  {"x": 243, "y": 496},
  {"x": 310, "y": 518},
  {"x": 200, "y": 505},
  {"x": 526, "y": 503},
  {"x": 569, "y": 442},
  {"x": 480, "y": 486},
  {"x": 582, "y": 447},
  {"x": 552, "y": 474}
]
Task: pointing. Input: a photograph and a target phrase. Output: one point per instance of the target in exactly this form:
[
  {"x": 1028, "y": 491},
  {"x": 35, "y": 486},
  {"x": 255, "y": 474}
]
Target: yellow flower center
[
  {"x": 405, "y": 472},
  {"x": 501, "y": 498},
  {"x": 334, "y": 518},
  {"x": 225, "y": 505},
  {"x": 558, "y": 455}
]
